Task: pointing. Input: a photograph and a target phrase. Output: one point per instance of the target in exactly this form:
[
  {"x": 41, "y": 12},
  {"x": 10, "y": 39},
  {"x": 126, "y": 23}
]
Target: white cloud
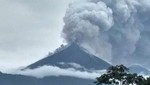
[
  {"x": 74, "y": 65},
  {"x": 56, "y": 71}
]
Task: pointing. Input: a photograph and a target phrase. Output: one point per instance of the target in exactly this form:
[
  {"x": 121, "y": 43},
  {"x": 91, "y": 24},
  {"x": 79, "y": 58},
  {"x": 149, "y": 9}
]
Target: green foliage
[
  {"x": 135, "y": 79},
  {"x": 119, "y": 74},
  {"x": 147, "y": 81}
]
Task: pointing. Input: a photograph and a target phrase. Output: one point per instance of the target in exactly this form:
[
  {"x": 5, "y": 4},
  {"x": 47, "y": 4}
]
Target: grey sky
[{"x": 29, "y": 29}]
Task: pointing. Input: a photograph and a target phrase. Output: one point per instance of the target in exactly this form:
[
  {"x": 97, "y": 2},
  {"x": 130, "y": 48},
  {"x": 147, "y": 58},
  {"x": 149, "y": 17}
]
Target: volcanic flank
[{"x": 72, "y": 56}]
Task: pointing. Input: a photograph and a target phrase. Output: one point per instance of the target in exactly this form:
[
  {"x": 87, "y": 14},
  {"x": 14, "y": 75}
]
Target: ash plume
[{"x": 114, "y": 30}]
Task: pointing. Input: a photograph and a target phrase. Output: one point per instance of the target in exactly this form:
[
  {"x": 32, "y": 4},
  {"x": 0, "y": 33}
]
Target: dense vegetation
[{"x": 119, "y": 75}]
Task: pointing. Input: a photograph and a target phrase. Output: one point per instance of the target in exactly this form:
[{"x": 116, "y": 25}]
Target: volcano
[{"x": 72, "y": 55}]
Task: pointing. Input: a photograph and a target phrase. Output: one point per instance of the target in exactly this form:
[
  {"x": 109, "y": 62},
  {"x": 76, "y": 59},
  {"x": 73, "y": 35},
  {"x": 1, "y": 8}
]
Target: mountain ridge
[
  {"x": 139, "y": 69},
  {"x": 72, "y": 54}
]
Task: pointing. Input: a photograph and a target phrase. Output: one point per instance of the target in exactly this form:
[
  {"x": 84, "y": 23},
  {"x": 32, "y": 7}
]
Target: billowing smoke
[{"x": 115, "y": 30}]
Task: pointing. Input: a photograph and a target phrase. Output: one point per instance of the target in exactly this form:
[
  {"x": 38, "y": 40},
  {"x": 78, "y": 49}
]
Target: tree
[
  {"x": 135, "y": 79},
  {"x": 147, "y": 81},
  {"x": 119, "y": 75}
]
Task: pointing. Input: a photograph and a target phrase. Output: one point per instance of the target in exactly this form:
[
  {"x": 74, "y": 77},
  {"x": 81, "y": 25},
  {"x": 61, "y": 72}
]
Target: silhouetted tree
[
  {"x": 120, "y": 75},
  {"x": 147, "y": 81},
  {"x": 135, "y": 79}
]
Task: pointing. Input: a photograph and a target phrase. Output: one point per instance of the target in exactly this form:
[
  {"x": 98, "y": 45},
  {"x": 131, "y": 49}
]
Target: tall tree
[
  {"x": 135, "y": 79},
  {"x": 147, "y": 81},
  {"x": 119, "y": 75}
]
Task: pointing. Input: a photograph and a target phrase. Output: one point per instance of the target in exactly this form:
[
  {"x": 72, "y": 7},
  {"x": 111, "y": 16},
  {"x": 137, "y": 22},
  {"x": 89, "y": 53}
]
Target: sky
[
  {"x": 29, "y": 30},
  {"x": 116, "y": 31}
]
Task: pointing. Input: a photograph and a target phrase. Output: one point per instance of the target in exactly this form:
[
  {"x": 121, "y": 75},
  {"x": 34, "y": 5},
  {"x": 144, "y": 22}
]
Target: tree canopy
[{"x": 119, "y": 75}]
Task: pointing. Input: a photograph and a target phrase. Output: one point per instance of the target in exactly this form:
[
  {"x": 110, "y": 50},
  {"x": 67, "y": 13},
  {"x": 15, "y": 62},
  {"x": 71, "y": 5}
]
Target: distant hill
[
  {"x": 8, "y": 79},
  {"x": 139, "y": 69}
]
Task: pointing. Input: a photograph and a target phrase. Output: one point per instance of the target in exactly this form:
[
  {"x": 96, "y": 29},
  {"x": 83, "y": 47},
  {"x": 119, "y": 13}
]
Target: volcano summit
[{"x": 72, "y": 56}]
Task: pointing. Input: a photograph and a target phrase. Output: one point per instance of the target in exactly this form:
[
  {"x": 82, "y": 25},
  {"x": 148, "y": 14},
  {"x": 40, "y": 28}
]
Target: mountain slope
[
  {"x": 72, "y": 54},
  {"x": 8, "y": 79},
  {"x": 138, "y": 69}
]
